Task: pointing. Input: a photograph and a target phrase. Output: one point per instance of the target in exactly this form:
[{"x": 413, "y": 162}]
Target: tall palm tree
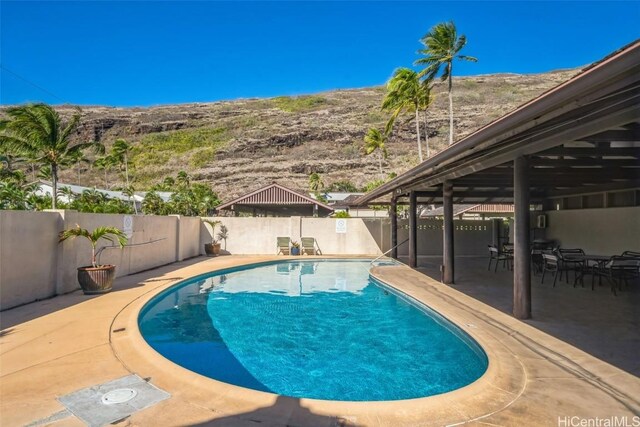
[
  {"x": 375, "y": 140},
  {"x": 426, "y": 99},
  {"x": 129, "y": 191},
  {"x": 105, "y": 163},
  {"x": 119, "y": 154},
  {"x": 315, "y": 182},
  {"x": 406, "y": 94},
  {"x": 183, "y": 180},
  {"x": 38, "y": 130},
  {"x": 441, "y": 46}
]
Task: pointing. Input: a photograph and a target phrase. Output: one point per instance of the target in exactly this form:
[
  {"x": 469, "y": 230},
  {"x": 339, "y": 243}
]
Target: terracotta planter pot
[
  {"x": 96, "y": 280},
  {"x": 212, "y": 249}
]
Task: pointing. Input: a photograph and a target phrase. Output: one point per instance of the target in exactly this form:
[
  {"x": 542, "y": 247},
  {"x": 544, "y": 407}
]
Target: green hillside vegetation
[
  {"x": 199, "y": 146},
  {"x": 295, "y": 104}
]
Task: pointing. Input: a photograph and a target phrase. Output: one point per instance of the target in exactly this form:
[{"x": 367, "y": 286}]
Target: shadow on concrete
[
  {"x": 33, "y": 310},
  {"x": 286, "y": 411},
  {"x": 597, "y": 322}
]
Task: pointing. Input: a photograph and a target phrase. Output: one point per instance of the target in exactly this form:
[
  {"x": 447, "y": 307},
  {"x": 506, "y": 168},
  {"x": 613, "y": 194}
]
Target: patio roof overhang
[{"x": 582, "y": 136}]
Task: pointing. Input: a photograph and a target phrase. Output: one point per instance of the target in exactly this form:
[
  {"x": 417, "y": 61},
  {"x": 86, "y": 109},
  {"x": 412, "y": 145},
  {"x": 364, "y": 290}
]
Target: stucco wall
[
  {"x": 189, "y": 234},
  {"x": 34, "y": 266},
  {"x": 259, "y": 235},
  {"x": 607, "y": 231},
  {"x": 153, "y": 243},
  {"x": 470, "y": 237},
  {"x": 28, "y": 256}
]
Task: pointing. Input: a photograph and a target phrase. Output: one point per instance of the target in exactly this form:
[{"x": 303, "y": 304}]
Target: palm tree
[
  {"x": 405, "y": 93},
  {"x": 68, "y": 193},
  {"x": 183, "y": 179},
  {"x": 441, "y": 46},
  {"x": 315, "y": 182},
  {"x": 38, "y": 131},
  {"x": 425, "y": 101},
  {"x": 111, "y": 234},
  {"x": 129, "y": 191},
  {"x": 375, "y": 140},
  {"x": 119, "y": 154},
  {"x": 105, "y": 163}
]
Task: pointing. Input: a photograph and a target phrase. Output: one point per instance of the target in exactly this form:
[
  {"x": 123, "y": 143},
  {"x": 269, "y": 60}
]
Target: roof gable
[{"x": 274, "y": 194}]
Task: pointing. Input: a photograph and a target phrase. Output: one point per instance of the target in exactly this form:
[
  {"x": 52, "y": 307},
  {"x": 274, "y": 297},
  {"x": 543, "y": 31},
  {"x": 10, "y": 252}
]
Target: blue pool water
[{"x": 318, "y": 329}]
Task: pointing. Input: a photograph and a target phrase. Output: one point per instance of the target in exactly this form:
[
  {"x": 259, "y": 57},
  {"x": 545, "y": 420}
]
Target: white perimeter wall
[
  {"x": 608, "y": 231},
  {"x": 248, "y": 235},
  {"x": 28, "y": 256},
  {"x": 34, "y": 266}
]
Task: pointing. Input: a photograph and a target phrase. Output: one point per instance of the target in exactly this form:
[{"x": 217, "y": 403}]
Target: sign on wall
[
  {"x": 127, "y": 226},
  {"x": 341, "y": 225}
]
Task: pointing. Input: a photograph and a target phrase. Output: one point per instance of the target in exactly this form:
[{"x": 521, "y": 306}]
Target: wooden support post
[
  {"x": 521, "y": 264},
  {"x": 447, "y": 238},
  {"x": 393, "y": 215},
  {"x": 413, "y": 230}
]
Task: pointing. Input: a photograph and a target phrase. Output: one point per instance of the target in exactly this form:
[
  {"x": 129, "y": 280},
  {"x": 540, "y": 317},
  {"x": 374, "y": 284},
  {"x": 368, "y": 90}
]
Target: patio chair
[
  {"x": 631, "y": 254},
  {"x": 283, "y": 245},
  {"x": 567, "y": 264},
  {"x": 536, "y": 261},
  {"x": 550, "y": 263},
  {"x": 309, "y": 246},
  {"x": 497, "y": 256},
  {"x": 618, "y": 270}
]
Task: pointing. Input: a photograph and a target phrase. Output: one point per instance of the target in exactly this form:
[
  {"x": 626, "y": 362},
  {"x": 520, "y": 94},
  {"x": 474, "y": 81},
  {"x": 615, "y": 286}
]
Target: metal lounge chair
[
  {"x": 309, "y": 246},
  {"x": 283, "y": 245}
]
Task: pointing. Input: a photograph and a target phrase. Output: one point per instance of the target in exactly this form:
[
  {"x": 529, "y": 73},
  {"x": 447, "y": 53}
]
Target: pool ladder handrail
[{"x": 384, "y": 254}]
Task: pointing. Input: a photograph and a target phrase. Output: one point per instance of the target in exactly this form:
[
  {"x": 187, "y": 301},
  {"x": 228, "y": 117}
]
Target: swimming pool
[{"x": 319, "y": 329}]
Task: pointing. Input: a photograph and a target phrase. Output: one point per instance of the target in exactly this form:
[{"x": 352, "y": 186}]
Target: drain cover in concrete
[{"x": 105, "y": 403}]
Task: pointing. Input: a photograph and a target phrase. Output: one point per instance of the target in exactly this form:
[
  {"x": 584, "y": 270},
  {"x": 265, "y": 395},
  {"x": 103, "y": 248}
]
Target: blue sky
[{"x": 147, "y": 53}]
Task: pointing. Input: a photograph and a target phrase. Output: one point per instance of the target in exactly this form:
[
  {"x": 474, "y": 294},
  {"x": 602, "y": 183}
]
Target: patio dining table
[{"x": 585, "y": 258}]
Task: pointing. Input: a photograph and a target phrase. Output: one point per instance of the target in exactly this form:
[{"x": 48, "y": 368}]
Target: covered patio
[{"x": 569, "y": 161}]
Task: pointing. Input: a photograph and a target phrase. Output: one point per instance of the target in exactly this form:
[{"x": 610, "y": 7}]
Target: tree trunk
[
  {"x": 54, "y": 185},
  {"x": 380, "y": 163},
  {"x": 418, "y": 135},
  {"x": 126, "y": 169},
  {"x": 106, "y": 183},
  {"x": 426, "y": 134},
  {"x": 450, "y": 110}
]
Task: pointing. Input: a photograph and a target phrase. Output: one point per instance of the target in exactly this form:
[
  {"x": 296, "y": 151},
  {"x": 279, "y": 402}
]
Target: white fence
[{"x": 34, "y": 266}]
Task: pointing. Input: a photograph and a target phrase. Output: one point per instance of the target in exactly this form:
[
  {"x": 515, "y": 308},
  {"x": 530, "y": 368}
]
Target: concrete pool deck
[{"x": 54, "y": 347}]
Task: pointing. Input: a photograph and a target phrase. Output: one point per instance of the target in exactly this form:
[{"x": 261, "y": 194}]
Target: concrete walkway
[
  {"x": 597, "y": 322},
  {"x": 58, "y": 346}
]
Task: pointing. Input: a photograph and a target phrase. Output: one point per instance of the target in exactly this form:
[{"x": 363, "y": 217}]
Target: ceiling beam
[
  {"x": 614, "y": 135},
  {"x": 584, "y": 161},
  {"x": 591, "y": 152}
]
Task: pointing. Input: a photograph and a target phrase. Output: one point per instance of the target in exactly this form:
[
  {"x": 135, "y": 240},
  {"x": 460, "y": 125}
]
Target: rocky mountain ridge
[{"x": 237, "y": 146}]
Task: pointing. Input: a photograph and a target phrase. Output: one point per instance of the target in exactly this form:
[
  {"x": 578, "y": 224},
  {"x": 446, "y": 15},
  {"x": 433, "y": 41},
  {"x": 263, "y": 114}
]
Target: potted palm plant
[
  {"x": 213, "y": 248},
  {"x": 96, "y": 279}
]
